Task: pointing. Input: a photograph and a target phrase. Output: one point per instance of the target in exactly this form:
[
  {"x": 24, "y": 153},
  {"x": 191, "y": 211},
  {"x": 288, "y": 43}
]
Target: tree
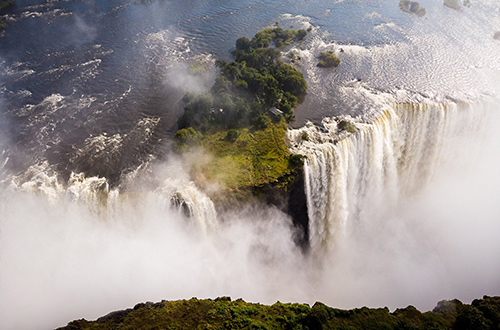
[
  {"x": 242, "y": 43},
  {"x": 301, "y": 34},
  {"x": 248, "y": 86},
  {"x": 186, "y": 138},
  {"x": 197, "y": 112}
]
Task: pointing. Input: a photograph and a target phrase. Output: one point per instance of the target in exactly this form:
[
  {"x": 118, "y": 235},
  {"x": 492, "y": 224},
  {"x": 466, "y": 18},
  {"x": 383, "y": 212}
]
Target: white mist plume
[
  {"x": 61, "y": 260},
  {"x": 81, "y": 32},
  {"x": 387, "y": 245},
  {"x": 64, "y": 261}
]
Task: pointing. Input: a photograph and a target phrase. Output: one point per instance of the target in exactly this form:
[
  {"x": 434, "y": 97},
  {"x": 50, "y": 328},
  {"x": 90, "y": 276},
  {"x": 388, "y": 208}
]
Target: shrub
[
  {"x": 186, "y": 138},
  {"x": 346, "y": 126},
  {"x": 261, "y": 121},
  {"x": 231, "y": 135},
  {"x": 296, "y": 161},
  {"x": 328, "y": 60},
  {"x": 301, "y": 34}
]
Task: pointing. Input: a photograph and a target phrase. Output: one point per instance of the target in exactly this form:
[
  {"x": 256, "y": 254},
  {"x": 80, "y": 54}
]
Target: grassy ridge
[
  {"x": 222, "y": 313},
  {"x": 233, "y": 122},
  {"x": 250, "y": 158}
]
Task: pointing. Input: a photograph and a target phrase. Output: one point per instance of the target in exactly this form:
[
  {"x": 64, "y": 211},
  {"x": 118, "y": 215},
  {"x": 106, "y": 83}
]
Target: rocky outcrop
[
  {"x": 453, "y": 4},
  {"x": 412, "y": 7}
]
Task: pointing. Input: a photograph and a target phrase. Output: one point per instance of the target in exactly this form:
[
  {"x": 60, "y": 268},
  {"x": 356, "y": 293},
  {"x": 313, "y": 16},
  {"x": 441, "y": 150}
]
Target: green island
[
  {"x": 223, "y": 313},
  {"x": 241, "y": 121},
  {"x": 3, "y": 5}
]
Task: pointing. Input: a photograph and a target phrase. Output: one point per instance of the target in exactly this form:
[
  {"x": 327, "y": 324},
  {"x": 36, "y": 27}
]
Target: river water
[{"x": 89, "y": 100}]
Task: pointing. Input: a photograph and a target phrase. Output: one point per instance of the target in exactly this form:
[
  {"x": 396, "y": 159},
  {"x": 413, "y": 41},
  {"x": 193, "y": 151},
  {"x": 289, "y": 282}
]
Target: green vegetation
[
  {"x": 233, "y": 121},
  {"x": 412, "y": 7},
  {"x": 6, "y": 3},
  {"x": 185, "y": 139},
  {"x": 242, "y": 159},
  {"x": 248, "y": 86},
  {"x": 197, "y": 68},
  {"x": 3, "y": 5},
  {"x": 346, "y": 126},
  {"x": 222, "y": 313},
  {"x": 328, "y": 60}
]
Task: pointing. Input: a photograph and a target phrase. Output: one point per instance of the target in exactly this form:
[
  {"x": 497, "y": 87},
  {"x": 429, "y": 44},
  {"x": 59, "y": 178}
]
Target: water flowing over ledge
[
  {"x": 352, "y": 177},
  {"x": 177, "y": 196}
]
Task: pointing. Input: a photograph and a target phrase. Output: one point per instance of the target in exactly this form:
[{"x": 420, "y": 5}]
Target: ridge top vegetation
[
  {"x": 223, "y": 313},
  {"x": 242, "y": 120}
]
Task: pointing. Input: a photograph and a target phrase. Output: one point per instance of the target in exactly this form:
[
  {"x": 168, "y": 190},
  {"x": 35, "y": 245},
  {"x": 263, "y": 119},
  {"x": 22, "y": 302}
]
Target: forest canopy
[{"x": 247, "y": 87}]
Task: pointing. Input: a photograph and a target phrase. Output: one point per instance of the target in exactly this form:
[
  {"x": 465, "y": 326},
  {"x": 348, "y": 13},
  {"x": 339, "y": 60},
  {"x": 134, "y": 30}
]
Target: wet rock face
[
  {"x": 178, "y": 202},
  {"x": 412, "y": 7}
]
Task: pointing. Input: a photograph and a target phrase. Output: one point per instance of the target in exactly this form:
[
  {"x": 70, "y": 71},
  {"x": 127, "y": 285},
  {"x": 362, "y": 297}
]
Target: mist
[{"x": 64, "y": 258}]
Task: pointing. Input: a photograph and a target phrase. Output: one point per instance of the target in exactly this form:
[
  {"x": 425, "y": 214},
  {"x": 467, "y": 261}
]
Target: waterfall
[
  {"x": 189, "y": 201},
  {"x": 350, "y": 178},
  {"x": 178, "y": 198}
]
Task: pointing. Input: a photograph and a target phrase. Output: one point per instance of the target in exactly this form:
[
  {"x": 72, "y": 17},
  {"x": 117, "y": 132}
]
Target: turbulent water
[{"x": 96, "y": 214}]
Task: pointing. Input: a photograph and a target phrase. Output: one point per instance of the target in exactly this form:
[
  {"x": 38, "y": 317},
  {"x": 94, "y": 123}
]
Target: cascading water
[
  {"x": 353, "y": 178},
  {"x": 95, "y": 194},
  {"x": 190, "y": 201}
]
